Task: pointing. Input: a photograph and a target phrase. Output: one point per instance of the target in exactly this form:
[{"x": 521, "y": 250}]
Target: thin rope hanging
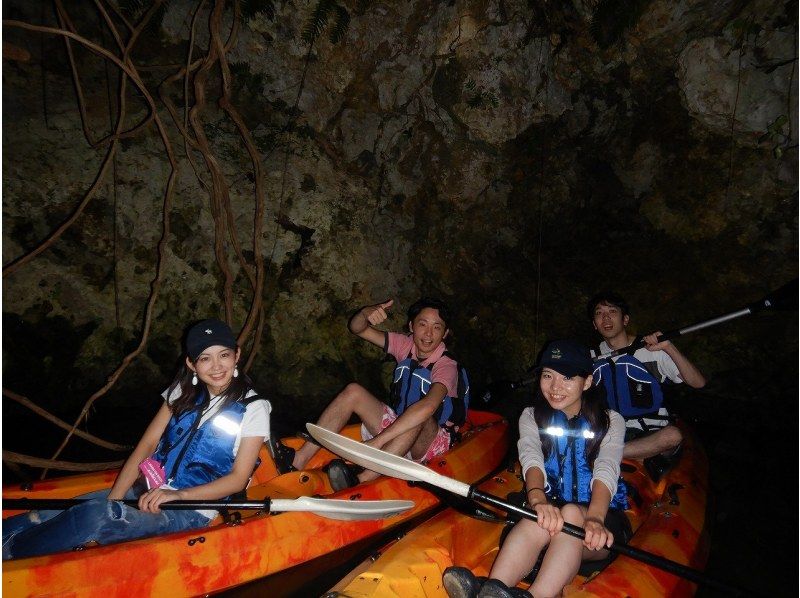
[{"x": 541, "y": 211}]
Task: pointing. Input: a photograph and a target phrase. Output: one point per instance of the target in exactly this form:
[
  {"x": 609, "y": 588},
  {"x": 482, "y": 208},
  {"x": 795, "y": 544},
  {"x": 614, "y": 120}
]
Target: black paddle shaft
[
  {"x": 640, "y": 555},
  {"x": 783, "y": 298},
  {"x": 57, "y": 504}
]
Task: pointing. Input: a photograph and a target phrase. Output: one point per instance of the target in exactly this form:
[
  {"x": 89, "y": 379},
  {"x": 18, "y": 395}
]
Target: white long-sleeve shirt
[{"x": 606, "y": 466}]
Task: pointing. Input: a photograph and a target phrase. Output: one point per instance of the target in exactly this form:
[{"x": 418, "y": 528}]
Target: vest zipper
[
  {"x": 561, "y": 461},
  {"x": 571, "y": 425}
]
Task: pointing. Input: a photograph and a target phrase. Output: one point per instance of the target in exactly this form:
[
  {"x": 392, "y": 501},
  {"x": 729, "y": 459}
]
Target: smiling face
[
  {"x": 215, "y": 366},
  {"x": 609, "y": 321},
  {"x": 563, "y": 393},
  {"x": 428, "y": 330}
]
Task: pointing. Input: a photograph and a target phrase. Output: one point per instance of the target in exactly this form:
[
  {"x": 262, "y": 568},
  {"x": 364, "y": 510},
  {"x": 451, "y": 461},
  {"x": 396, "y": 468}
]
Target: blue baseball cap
[
  {"x": 206, "y": 334},
  {"x": 567, "y": 357}
]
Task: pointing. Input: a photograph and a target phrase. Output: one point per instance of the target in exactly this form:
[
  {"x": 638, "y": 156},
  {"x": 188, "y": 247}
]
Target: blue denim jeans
[{"x": 98, "y": 519}]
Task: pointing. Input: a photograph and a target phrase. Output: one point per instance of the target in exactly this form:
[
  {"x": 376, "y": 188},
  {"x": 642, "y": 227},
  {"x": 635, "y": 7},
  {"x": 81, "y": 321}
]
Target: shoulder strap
[
  {"x": 250, "y": 399},
  {"x": 400, "y": 401},
  {"x": 461, "y": 401}
]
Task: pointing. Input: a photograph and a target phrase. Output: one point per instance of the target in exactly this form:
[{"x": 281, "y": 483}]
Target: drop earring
[
  {"x": 194, "y": 379},
  {"x": 236, "y": 371}
]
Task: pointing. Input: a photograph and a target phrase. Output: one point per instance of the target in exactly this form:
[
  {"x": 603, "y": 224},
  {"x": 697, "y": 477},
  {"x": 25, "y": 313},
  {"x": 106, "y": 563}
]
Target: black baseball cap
[
  {"x": 567, "y": 357},
  {"x": 206, "y": 334}
]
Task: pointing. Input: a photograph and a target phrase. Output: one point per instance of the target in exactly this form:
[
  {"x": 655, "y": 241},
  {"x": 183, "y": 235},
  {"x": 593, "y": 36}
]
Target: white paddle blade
[
  {"x": 383, "y": 462},
  {"x": 345, "y": 510}
]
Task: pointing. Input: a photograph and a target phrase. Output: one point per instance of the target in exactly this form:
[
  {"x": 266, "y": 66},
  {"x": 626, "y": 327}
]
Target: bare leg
[
  {"x": 519, "y": 552},
  {"x": 423, "y": 437},
  {"x": 667, "y": 439},
  {"x": 416, "y": 440},
  {"x": 563, "y": 558},
  {"x": 354, "y": 399}
]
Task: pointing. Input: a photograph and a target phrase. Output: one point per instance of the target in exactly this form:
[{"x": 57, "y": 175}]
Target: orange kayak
[
  {"x": 261, "y": 544},
  {"x": 667, "y": 516}
]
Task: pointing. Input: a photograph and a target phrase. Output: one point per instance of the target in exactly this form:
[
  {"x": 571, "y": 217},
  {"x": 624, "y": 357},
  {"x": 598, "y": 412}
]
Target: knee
[
  {"x": 94, "y": 511},
  {"x": 116, "y": 510},
  {"x": 572, "y": 514},
  {"x": 672, "y": 436},
  {"x": 526, "y": 526},
  {"x": 17, "y": 524},
  {"x": 531, "y": 530},
  {"x": 351, "y": 393},
  {"x": 33, "y": 517}
]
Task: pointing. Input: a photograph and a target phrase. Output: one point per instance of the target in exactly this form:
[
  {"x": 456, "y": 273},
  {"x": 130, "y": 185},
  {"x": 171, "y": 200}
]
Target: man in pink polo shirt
[{"x": 427, "y": 410}]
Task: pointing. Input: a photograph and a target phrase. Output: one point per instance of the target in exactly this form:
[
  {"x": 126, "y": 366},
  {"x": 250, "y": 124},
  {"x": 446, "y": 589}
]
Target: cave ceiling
[{"x": 510, "y": 157}]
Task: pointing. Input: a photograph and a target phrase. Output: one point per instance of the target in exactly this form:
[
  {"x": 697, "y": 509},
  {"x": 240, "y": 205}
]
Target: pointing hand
[{"x": 375, "y": 314}]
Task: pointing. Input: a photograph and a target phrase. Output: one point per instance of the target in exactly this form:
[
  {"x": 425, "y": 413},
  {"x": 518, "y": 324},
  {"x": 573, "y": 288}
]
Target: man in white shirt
[{"x": 610, "y": 316}]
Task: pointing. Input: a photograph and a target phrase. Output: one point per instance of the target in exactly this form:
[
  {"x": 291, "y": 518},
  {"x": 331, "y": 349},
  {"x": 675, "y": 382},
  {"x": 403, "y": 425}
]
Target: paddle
[
  {"x": 783, "y": 298},
  {"x": 405, "y": 469},
  {"x": 346, "y": 510}
]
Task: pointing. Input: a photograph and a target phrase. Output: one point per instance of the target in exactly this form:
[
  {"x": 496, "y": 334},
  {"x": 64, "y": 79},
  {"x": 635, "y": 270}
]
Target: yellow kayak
[{"x": 667, "y": 517}]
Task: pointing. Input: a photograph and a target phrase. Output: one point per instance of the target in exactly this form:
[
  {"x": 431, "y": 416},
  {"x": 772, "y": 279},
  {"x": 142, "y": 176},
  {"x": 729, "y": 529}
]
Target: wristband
[{"x": 532, "y": 489}]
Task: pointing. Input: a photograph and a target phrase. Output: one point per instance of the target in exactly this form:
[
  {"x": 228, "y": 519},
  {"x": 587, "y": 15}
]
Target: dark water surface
[{"x": 753, "y": 478}]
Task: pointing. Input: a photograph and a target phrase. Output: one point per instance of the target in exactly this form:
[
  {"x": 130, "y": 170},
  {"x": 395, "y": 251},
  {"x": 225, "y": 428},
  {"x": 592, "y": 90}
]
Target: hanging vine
[{"x": 126, "y": 22}]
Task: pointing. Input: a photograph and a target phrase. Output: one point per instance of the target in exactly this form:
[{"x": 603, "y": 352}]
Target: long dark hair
[
  {"x": 593, "y": 408},
  {"x": 190, "y": 394}
]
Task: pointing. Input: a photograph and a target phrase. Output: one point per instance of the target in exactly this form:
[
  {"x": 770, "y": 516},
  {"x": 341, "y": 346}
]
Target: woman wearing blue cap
[
  {"x": 202, "y": 444},
  {"x": 570, "y": 449}
]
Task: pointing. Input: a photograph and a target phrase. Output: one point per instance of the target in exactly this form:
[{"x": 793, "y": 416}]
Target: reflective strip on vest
[
  {"x": 568, "y": 459},
  {"x": 209, "y": 453}
]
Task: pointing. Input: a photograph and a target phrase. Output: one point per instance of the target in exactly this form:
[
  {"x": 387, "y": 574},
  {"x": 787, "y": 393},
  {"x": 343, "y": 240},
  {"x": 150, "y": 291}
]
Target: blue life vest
[
  {"x": 631, "y": 390},
  {"x": 569, "y": 476},
  {"x": 411, "y": 382},
  {"x": 194, "y": 454}
]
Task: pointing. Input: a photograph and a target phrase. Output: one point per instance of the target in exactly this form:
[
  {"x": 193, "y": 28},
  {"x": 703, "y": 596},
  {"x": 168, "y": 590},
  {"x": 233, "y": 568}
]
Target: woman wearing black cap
[
  {"x": 570, "y": 449},
  {"x": 202, "y": 444}
]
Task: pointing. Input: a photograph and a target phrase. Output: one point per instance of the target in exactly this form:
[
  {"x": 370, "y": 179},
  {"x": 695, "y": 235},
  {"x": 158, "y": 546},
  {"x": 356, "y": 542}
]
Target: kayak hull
[
  {"x": 226, "y": 555},
  {"x": 668, "y": 520}
]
